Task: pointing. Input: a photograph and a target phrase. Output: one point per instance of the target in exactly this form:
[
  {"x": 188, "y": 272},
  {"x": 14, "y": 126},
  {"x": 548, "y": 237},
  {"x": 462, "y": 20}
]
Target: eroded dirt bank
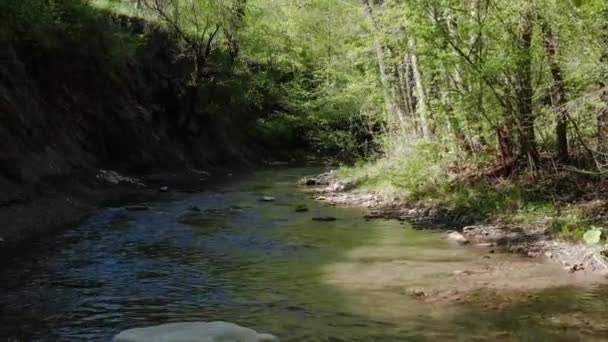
[
  {"x": 68, "y": 110},
  {"x": 64, "y": 200},
  {"x": 534, "y": 241}
]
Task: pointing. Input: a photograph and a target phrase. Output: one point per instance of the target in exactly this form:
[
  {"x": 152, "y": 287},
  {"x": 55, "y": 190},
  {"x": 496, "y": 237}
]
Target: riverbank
[
  {"x": 56, "y": 203},
  {"x": 99, "y": 90},
  {"x": 535, "y": 240}
]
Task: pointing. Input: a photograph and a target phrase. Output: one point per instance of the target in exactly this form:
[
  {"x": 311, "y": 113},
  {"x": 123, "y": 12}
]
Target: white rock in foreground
[
  {"x": 456, "y": 237},
  {"x": 193, "y": 332}
]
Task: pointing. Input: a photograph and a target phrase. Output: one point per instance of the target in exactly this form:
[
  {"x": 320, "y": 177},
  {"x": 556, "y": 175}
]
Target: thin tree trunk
[
  {"x": 558, "y": 93},
  {"x": 524, "y": 91},
  {"x": 460, "y": 86},
  {"x": 421, "y": 108},
  {"x": 408, "y": 80},
  {"x": 602, "y": 118},
  {"x": 476, "y": 46},
  {"x": 389, "y": 99}
]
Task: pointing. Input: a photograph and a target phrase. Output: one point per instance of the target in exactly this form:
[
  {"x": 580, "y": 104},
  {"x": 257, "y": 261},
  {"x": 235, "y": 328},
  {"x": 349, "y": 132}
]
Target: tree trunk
[
  {"x": 558, "y": 93},
  {"x": 388, "y": 90},
  {"x": 602, "y": 118},
  {"x": 407, "y": 80},
  {"x": 524, "y": 91},
  {"x": 421, "y": 104}
]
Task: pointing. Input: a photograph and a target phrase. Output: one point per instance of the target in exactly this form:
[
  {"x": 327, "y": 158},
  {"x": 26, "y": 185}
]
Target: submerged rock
[
  {"x": 308, "y": 181},
  {"x": 137, "y": 207},
  {"x": 456, "y": 237},
  {"x": 301, "y": 208},
  {"x": 193, "y": 332},
  {"x": 278, "y": 163},
  {"x": 324, "y": 218},
  {"x": 267, "y": 198}
]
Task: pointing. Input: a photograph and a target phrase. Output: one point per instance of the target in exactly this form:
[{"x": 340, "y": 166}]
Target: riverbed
[{"x": 222, "y": 254}]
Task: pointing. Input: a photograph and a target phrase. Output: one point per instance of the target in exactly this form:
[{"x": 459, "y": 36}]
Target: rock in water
[
  {"x": 301, "y": 208},
  {"x": 324, "y": 218},
  {"x": 137, "y": 207},
  {"x": 193, "y": 332},
  {"x": 163, "y": 189},
  {"x": 456, "y": 237},
  {"x": 267, "y": 199}
]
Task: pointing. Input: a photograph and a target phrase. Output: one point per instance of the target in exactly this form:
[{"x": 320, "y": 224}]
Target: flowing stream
[{"x": 265, "y": 266}]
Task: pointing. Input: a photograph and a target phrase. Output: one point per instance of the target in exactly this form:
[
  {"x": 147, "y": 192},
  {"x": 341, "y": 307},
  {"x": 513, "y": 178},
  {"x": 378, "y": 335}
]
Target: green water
[{"x": 265, "y": 266}]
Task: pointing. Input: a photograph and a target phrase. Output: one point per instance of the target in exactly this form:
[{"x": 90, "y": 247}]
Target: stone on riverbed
[
  {"x": 267, "y": 198},
  {"x": 137, "y": 207},
  {"x": 301, "y": 208},
  {"x": 193, "y": 332},
  {"x": 456, "y": 237},
  {"x": 324, "y": 218}
]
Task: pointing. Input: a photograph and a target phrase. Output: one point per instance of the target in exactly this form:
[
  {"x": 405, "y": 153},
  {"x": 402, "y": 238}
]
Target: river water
[{"x": 265, "y": 266}]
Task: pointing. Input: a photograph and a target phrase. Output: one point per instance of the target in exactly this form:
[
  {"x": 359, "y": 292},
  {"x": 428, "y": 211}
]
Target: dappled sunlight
[{"x": 401, "y": 274}]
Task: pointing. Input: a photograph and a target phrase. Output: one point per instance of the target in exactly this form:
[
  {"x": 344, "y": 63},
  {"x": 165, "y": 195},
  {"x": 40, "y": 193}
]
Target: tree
[
  {"x": 523, "y": 87},
  {"x": 602, "y": 118},
  {"x": 388, "y": 90},
  {"x": 195, "y": 24},
  {"x": 558, "y": 93}
]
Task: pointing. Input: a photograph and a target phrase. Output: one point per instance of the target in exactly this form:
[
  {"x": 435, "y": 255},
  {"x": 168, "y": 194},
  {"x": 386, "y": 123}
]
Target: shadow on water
[{"x": 262, "y": 265}]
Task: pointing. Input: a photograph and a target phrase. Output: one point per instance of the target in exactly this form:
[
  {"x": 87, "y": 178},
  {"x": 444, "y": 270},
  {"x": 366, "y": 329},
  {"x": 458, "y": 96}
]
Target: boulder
[
  {"x": 193, "y": 332},
  {"x": 456, "y": 237}
]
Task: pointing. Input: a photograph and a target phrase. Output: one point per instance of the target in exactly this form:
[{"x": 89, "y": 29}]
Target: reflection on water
[{"x": 264, "y": 266}]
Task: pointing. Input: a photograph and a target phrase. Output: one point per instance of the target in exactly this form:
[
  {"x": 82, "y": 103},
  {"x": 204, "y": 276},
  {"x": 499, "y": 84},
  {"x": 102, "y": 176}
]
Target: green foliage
[{"x": 66, "y": 25}]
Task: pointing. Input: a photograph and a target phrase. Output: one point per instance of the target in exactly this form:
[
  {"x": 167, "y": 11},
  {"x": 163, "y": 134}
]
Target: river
[{"x": 265, "y": 266}]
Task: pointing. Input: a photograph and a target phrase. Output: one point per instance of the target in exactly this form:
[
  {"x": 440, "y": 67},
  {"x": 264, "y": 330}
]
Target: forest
[
  {"x": 490, "y": 108},
  {"x": 500, "y": 106}
]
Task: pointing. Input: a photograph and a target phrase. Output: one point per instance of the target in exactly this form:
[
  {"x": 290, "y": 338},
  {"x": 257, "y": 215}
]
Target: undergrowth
[{"x": 426, "y": 178}]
